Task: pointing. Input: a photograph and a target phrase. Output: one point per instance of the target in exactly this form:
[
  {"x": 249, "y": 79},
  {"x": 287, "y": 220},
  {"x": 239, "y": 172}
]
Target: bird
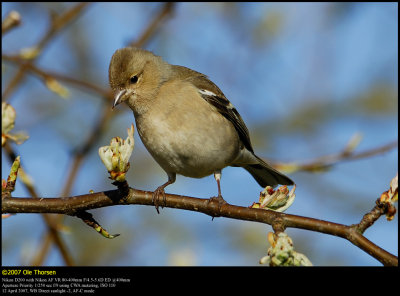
[{"x": 185, "y": 121}]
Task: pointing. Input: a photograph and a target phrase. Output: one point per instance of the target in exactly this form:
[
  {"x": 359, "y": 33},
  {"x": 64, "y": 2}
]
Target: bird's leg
[
  {"x": 219, "y": 198},
  {"x": 160, "y": 191},
  {"x": 217, "y": 176}
]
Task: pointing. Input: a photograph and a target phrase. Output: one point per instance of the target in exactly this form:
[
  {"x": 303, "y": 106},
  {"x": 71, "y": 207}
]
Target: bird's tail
[{"x": 265, "y": 175}]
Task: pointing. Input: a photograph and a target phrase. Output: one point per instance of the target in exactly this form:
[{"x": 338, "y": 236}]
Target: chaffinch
[{"x": 184, "y": 120}]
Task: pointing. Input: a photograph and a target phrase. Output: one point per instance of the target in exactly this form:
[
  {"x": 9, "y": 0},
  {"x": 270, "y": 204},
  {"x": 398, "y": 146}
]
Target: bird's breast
[{"x": 188, "y": 143}]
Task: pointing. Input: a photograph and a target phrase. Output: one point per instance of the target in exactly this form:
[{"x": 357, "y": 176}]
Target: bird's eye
[{"x": 134, "y": 79}]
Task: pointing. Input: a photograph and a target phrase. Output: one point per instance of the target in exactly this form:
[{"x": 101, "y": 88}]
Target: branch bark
[{"x": 75, "y": 205}]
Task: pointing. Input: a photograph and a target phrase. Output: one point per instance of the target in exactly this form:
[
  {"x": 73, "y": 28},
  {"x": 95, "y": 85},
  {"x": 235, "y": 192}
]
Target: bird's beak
[{"x": 118, "y": 97}]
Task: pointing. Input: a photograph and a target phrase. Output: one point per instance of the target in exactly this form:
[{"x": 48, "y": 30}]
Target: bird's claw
[
  {"x": 156, "y": 198},
  {"x": 220, "y": 200}
]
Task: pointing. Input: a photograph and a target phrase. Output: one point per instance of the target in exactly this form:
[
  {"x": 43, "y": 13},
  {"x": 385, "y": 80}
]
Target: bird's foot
[
  {"x": 156, "y": 197},
  {"x": 220, "y": 200},
  {"x": 160, "y": 191}
]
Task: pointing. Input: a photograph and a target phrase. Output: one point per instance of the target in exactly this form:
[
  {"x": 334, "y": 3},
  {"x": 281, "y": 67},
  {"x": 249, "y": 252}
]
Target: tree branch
[{"x": 75, "y": 205}]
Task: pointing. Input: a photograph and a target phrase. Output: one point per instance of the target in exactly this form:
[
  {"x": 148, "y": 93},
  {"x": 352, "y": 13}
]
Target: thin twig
[
  {"x": 12, "y": 20},
  {"x": 44, "y": 75},
  {"x": 369, "y": 219},
  {"x": 150, "y": 30},
  {"x": 50, "y": 222},
  {"x": 57, "y": 24},
  {"x": 324, "y": 162},
  {"x": 81, "y": 153},
  {"x": 60, "y": 22}
]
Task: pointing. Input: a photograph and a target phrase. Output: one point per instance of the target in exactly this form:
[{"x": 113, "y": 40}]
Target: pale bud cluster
[
  {"x": 115, "y": 157},
  {"x": 281, "y": 252},
  {"x": 8, "y": 116},
  {"x": 277, "y": 200},
  {"x": 390, "y": 197}
]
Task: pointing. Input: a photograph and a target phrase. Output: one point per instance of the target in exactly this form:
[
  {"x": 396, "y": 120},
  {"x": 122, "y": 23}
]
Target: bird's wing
[{"x": 213, "y": 95}]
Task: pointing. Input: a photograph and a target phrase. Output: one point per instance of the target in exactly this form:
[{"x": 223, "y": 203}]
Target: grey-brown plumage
[{"x": 184, "y": 120}]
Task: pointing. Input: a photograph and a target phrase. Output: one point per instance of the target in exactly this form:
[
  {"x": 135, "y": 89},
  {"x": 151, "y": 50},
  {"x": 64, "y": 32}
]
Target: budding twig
[{"x": 76, "y": 204}]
